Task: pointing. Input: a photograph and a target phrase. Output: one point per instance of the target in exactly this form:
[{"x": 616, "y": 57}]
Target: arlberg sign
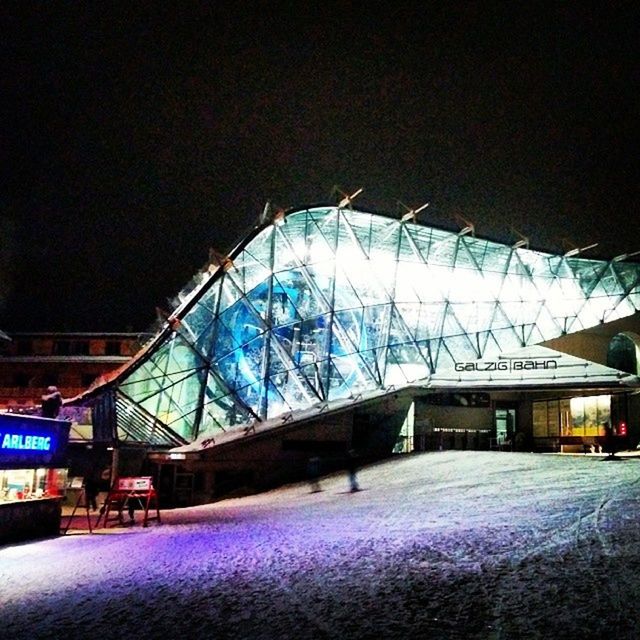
[
  {"x": 516, "y": 364},
  {"x": 22, "y": 442}
]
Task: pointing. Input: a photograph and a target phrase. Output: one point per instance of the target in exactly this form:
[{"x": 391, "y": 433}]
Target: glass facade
[{"x": 328, "y": 303}]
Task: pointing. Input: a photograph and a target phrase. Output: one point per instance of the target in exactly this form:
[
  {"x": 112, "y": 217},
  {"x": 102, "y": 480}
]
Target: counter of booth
[{"x": 33, "y": 476}]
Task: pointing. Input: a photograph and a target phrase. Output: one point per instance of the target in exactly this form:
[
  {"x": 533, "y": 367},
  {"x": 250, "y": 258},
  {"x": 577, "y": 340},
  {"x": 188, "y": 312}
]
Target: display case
[{"x": 31, "y": 484}]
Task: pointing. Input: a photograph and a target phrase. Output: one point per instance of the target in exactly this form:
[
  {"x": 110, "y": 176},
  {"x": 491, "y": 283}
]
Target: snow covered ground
[{"x": 436, "y": 545}]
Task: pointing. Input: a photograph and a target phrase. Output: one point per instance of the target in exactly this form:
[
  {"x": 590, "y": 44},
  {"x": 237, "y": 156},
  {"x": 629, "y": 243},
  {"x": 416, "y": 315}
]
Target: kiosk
[{"x": 33, "y": 476}]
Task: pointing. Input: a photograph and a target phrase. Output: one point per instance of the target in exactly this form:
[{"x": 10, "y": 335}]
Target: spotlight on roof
[
  {"x": 347, "y": 199},
  {"x": 272, "y": 213},
  {"x": 624, "y": 256},
  {"x": 522, "y": 242},
  {"x": 578, "y": 250},
  {"x": 411, "y": 214},
  {"x": 467, "y": 226}
]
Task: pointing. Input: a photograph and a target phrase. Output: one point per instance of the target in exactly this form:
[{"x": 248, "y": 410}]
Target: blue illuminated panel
[{"x": 32, "y": 442}]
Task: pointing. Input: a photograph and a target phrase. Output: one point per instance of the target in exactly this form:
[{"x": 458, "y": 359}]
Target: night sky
[{"x": 136, "y": 136}]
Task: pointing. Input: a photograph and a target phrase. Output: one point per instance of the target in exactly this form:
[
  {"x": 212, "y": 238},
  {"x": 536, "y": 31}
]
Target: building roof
[{"x": 533, "y": 366}]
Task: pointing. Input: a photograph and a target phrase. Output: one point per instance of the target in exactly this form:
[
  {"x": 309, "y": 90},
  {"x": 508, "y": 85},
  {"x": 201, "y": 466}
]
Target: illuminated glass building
[{"x": 326, "y": 304}]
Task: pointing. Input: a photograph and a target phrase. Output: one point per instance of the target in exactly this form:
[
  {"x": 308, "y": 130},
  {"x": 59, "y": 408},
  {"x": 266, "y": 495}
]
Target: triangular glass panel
[
  {"x": 514, "y": 312},
  {"x": 348, "y": 324},
  {"x": 313, "y": 375},
  {"x": 242, "y": 366},
  {"x": 376, "y": 322},
  {"x": 383, "y": 272},
  {"x": 398, "y": 331},
  {"x": 451, "y": 326},
  {"x": 404, "y": 284},
  {"x": 258, "y": 299},
  {"x": 322, "y": 277},
  {"x": 547, "y": 325},
  {"x": 221, "y": 405},
  {"x": 590, "y": 313},
  {"x": 363, "y": 280},
  {"x": 253, "y": 397},
  {"x": 374, "y": 363},
  {"x": 532, "y": 335},
  {"x": 345, "y": 297},
  {"x": 410, "y": 314},
  {"x": 285, "y": 254},
  {"x": 406, "y": 253},
  {"x": 276, "y": 403},
  {"x": 491, "y": 348},
  {"x": 424, "y": 346},
  {"x": 321, "y": 235},
  {"x": 444, "y": 359},
  {"x": 229, "y": 294},
  {"x": 250, "y": 272},
  {"x": 430, "y": 321},
  {"x": 508, "y": 339},
  {"x": 301, "y": 290},
  {"x": 283, "y": 304},
  {"x": 461, "y": 348},
  {"x": 295, "y": 389},
  {"x": 480, "y": 341},
  {"x": 363, "y": 230},
  {"x": 622, "y": 309},
  {"x": 628, "y": 275},
  {"x": 336, "y": 386},
  {"x": 198, "y": 319},
  {"x": 238, "y": 325},
  {"x": 354, "y": 373},
  {"x": 410, "y": 360},
  {"x": 260, "y": 247}
]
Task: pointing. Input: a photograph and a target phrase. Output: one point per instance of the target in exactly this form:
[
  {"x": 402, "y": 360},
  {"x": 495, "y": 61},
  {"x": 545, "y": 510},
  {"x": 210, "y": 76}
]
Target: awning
[{"x": 534, "y": 366}]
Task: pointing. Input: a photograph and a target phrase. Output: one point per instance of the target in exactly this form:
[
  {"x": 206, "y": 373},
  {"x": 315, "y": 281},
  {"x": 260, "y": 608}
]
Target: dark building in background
[{"x": 31, "y": 362}]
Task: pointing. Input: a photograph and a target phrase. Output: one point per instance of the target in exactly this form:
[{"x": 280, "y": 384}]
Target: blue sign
[
  {"x": 30, "y": 441},
  {"x": 19, "y": 441}
]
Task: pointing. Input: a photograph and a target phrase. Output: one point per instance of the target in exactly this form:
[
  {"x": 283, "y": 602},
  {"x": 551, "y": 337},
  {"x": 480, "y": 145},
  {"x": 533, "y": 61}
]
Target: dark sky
[{"x": 135, "y": 136}]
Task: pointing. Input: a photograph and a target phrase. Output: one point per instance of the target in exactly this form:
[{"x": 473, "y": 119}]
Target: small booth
[{"x": 33, "y": 476}]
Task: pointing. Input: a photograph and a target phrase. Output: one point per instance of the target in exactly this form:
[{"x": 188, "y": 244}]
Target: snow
[{"x": 482, "y": 545}]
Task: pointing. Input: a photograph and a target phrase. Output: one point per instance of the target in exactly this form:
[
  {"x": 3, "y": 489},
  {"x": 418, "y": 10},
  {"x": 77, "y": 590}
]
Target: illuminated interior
[
  {"x": 27, "y": 484},
  {"x": 328, "y": 303}
]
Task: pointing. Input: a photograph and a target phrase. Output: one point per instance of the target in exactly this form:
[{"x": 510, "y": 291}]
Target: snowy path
[{"x": 438, "y": 545}]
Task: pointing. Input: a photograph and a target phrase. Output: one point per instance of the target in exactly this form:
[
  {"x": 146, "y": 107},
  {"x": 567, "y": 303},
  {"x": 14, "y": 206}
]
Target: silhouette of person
[
  {"x": 352, "y": 466},
  {"x": 51, "y": 402},
  {"x": 313, "y": 471},
  {"x": 91, "y": 489},
  {"x": 609, "y": 441}
]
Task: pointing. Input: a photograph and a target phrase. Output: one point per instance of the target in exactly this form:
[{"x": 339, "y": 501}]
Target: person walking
[
  {"x": 313, "y": 472},
  {"x": 352, "y": 466}
]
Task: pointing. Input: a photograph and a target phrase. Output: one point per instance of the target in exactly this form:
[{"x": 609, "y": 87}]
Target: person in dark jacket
[{"x": 51, "y": 403}]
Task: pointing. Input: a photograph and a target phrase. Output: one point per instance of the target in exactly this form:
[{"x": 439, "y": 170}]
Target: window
[
  {"x": 589, "y": 414},
  {"x": 71, "y": 348},
  {"x": 62, "y": 348},
  {"x": 112, "y": 348},
  {"x": 24, "y": 347}
]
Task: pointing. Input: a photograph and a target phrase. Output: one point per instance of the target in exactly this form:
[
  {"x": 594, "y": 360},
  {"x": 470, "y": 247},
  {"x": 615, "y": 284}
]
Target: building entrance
[{"x": 505, "y": 426}]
